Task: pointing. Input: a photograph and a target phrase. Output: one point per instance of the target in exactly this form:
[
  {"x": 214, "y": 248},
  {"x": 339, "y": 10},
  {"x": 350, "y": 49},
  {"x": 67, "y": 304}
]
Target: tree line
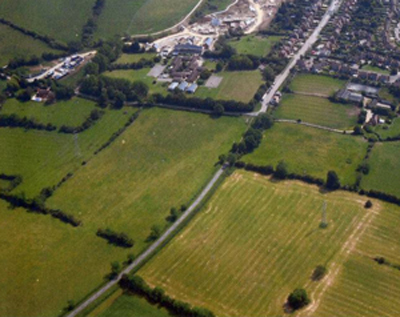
[
  {"x": 94, "y": 116},
  {"x": 119, "y": 239}
]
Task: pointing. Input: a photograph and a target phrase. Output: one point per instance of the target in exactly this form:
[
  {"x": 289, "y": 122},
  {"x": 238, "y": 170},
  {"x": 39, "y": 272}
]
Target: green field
[
  {"x": 254, "y": 45},
  {"x": 14, "y": 44},
  {"x": 376, "y": 69},
  {"x": 134, "y": 58},
  {"x": 317, "y": 110},
  {"x": 239, "y": 86},
  {"x": 316, "y": 84},
  {"x": 141, "y": 17},
  {"x": 256, "y": 241},
  {"x": 310, "y": 151},
  {"x": 59, "y": 19},
  {"x": 388, "y": 130},
  {"x": 140, "y": 75},
  {"x": 384, "y": 172},
  {"x": 44, "y": 158},
  {"x": 71, "y": 113}
]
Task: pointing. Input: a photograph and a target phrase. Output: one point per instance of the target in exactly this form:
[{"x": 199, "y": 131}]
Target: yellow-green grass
[
  {"x": 140, "y": 75},
  {"x": 239, "y": 86},
  {"x": 59, "y": 19},
  {"x": 384, "y": 174},
  {"x": 121, "y": 17},
  {"x": 363, "y": 287},
  {"x": 254, "y": 242},
  {"x": 388, "y": 130},
  {"x": 4, "y": 184},
  {"x": 316, "y": 84},
  {"x": 317, "y": 110},
  {"x": 254, "y": 44},
  {"x": 376, "y": 69},
  {"x": 71, "y": 113},
  {"x": 14, "y": 44},
  {"x": 134, "y": 58},
  {"x": 161, "y": 161},
  {"x": 310, "y": 151},
  {"x": 43, "y": 158}
]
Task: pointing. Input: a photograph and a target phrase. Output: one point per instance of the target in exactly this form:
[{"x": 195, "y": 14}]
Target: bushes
[
  {"x": 298, "y": 299},
  {"x": 137, "y": 285},
  {"x": 117, "y": 239},
  {"x": 13, "y": 121},
  {"x": 14, "y": 180},
  {"x": 91, "y": 120},
  {"x": 319, "y": 273},
  {"x": 332, "y": 181}
]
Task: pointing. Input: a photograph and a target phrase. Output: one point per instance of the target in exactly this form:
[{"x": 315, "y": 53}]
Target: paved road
[
  {"x": 279, "y": 80},
  {"x": 144, "y": 256}
]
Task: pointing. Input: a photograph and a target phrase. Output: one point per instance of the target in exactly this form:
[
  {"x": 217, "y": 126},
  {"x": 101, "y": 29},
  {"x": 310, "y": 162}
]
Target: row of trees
[
  {"x": 116, "y": 238},
  {"x": 13, "y": 121},
  {"x": 91, "y": 25},
  {"x": 94, "y": 116}
]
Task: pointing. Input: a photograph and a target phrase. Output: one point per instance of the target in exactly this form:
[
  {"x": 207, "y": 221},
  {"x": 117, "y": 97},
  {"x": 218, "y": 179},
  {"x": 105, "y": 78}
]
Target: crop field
[
  {"x": 71, "y": 113},
  {"x": 59, "y": 19},
  {"x": 134, "y": 58},
  {"x": 316, "y": 84},
  {"x": 254, "y": 242},
  {"x": 317, "y": 110},
  {"x": 14, "y": 44},
  {"x": 310, "y": 151},
  {"x": 239, "y": 86},
  {"x": 254, "y": 45},
  {"x": 44, "y": 158},
  {"x": 141, "y": 17},
  {"x": 384, "y": 174}
]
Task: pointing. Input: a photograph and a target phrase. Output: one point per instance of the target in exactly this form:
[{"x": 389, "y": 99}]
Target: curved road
[{"x": 145, "y": 255}]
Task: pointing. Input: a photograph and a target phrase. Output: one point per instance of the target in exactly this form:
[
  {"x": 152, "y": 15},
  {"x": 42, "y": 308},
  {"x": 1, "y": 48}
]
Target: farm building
[
  {"x": 173, "y": 86},
  {"x": 192, "y": 88},
  {"x": 183, "y": 85}
]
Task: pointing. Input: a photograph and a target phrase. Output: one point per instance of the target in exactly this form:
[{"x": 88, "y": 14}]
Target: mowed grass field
[
  {"x": 316, "y": 84},
  {"x": 122, "y": 17},
  {"x": 254, "y": 45},
  {"x": 43, "y": 158},
  {"x": 384, "y": 174},
  {"x": 255, "y": 242},
  {"x": 310, "y": 151},
  {"x": 134, "y": 58},
  {"x": 239, "y": 86},
  {"x": 60, "y": 19},
  {"x": 317, "y": 110},
  {"x": 14, "y": 44},
  {"x": 71, "y": 113}
]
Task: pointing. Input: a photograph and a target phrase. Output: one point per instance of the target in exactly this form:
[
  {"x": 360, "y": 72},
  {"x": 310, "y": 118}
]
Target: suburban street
[
  {"x": 280, "y": 79},
  {"x": 145, "y": 255}
]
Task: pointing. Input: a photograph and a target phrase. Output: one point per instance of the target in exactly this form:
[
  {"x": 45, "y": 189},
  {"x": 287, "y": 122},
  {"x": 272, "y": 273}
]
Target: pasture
[
  {"x": 310, "y": 151},
  {"x": 384, "y": 174},
  {"x": 316, "y": 84},
  {"x": 239, "y": 86},
  {"x": 56, "y": 18},
  {"x": 317, "y": 110},
  {"x": 254, "y": 242},
  {"x": 254, "y": 45},
  {"x": 134, "y": 58},
  {"x": 388, "y": 130},
  {"x": 14, "y": 44},
  {"x": 71, "y": 113},
  {"x": 121, "y": 17}
]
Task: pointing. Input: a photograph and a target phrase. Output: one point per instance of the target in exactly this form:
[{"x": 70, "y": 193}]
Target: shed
[
  {"x": 183, "y": 85},
  {"x": 192, "y": 88}
]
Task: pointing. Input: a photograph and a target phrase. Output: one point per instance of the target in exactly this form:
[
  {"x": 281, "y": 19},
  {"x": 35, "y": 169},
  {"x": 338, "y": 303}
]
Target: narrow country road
[{"x": 145, "y": 255}]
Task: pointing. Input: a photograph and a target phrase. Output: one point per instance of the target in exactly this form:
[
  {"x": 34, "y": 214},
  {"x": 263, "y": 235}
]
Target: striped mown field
[{"x": 255, "y": 242}]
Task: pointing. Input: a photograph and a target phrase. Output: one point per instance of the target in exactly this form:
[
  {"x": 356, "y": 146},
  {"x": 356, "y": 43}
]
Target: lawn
[
  {"x": 14, "y": 44},
  {"x": 310, "y": 151},
  {"x": 316, "y": 84},
  {"x": 71, "y": 113},
  {"x": 254, "y": 45},
  {"x": 122, "y": 17},
  {"x": 134, "y": 58},
  {"x": 376, "y": 69},
  {"x": 140, "y": 75},
  {"x": 384, "y": 172},
  {"x": 44, "y": 158},
  {"x": 254, "y": 242},
  {"x": 389, "y": 130},
  {"x": 239, "y": 86},
  {"x": 60, "y": 19},
  {"x": 317, "y": 110}
]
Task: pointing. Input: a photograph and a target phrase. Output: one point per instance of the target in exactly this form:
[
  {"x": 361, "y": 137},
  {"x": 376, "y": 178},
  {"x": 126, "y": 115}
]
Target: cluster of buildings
[
  {"x": 43, "y": 95},
  {"x": 70, "y": 63},
  {"x": 185, "y": 68}
]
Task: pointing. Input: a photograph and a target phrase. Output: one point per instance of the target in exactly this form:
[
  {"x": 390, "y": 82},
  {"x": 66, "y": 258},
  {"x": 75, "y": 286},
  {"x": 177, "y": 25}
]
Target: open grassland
[
  {"x": 317, "y": 110},
  {"x": 384, "y": 174},
  {"x": 316, "y": 84},
  {"x": 392, "y": 130},
  {"x": 363, "y": 287},
  {"x": 239, "y": 86},
  {"x": 14, "y": 44},
  {"x": 71, "y": 113},
  {"x": 254, "y": 45},
  {"x": 140, "y": 75},
  {"x": 134, "y": 58},
  {"x": 121, "y": 17},
  {"x": 60, "y": 19},
  {"x": 310, "y": 151},
  {"x": 44, "y": 158},
  {"x": 254, "y": 243}
]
